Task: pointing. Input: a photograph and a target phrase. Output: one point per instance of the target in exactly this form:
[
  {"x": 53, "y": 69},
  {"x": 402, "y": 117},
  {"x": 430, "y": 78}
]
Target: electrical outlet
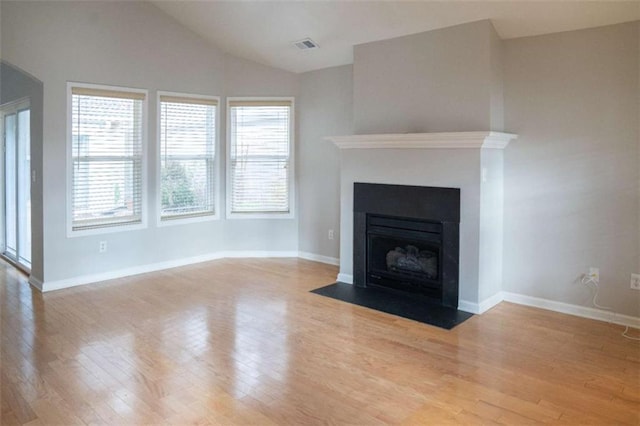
[
  {"x": 594, "y": 274},
  {"x": 635, "y": 281},
  {"x": 102, "y": 247},
  {"x": 331, "y": 234}
]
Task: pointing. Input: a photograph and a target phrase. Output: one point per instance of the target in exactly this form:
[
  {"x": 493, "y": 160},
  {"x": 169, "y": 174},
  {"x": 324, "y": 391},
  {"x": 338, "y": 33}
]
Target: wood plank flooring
[{"x": 243, "y": 341}]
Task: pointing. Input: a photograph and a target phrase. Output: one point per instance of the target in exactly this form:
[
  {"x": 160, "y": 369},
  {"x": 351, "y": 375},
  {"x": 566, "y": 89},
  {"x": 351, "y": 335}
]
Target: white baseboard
[
  {"x": 345, "y": 278},
  {"x": 143, "y": 269},
  {"x": 490, "y": 302},
  {"x": 577, "y": 310},
  {"x": 250, "y": 254},
  {"x": 120, "y": 273},
  {"x": 471, "y": 307},
  {"x": 319, "y": 258},
  {"x": 550, "y": 305},
  {"x": 463, "y": 305},
  {"x": 482, "y": 307},
  {"x": 35, "y": 283}
]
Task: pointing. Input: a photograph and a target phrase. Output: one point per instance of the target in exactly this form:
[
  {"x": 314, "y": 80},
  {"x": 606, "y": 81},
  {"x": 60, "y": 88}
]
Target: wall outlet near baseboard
[
  {"x": 635, "y": 281},
  {"x": 330, "y": 234},
  {"x": 102, "y": 247}
]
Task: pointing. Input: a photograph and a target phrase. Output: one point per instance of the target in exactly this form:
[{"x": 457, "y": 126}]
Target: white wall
[
  {"x": 572, "y": 179},
  {"x": 130, "y": 44},
  {"x": 491, "y": 223},
  {"x": 325, "y": 109}
]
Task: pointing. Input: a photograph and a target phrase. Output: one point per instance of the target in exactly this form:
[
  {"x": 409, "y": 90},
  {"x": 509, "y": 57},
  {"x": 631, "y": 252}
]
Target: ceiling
[{"x": 263, "y": 31}]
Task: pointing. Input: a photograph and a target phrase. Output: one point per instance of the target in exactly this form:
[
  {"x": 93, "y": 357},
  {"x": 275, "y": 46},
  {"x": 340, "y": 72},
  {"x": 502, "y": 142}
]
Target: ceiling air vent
[{"x": 306, "y": 44}]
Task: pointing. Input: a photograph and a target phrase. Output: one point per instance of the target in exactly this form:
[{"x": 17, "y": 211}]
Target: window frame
[
  {"x": 216, "y": 163},
  {"x": 291, "y": 161},
  {"x": 144, "y": 139}
]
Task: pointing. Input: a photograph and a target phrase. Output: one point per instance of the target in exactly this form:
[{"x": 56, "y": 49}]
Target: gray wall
[
  {"x": 16, "y": 84},
  {"x": 130, "y": 44},
  {"x": 325, "y": 109},
  {"x": 446, "y": 80},
  {"x": 437, "y": 81},
  {"x": 572, "y": 179},
  {"x": 496, "y": 64}
]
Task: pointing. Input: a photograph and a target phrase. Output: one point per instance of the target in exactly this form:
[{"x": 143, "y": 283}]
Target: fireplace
[
  {"x": 471, "y": 214},
  {"x": 407, "y": 238}
]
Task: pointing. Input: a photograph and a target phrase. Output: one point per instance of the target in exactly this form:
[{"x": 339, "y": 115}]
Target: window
[
  {"x": 187, "y": 156},
  {"x": 106, "y": 149},
  {"x": 260, "y": 150}
]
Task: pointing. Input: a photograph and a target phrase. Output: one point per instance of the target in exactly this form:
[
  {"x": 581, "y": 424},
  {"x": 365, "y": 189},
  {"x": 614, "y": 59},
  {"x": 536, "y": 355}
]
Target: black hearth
[{"x": 407, "y": 238}]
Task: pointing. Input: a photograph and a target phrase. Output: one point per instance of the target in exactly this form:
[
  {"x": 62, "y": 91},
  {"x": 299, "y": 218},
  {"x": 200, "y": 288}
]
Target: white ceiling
[{"x": 264, "y": 30}]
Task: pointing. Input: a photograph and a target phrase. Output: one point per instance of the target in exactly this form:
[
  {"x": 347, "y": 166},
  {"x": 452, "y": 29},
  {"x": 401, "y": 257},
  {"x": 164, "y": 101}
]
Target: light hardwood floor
[{"x": 244, "y": 342}]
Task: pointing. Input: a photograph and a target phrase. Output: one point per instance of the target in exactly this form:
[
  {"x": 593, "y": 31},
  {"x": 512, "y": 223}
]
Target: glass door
[{"x": 16, "y": 191}]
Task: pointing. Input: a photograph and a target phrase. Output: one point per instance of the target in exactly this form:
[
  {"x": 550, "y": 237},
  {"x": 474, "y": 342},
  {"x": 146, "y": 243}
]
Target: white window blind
[
  {"x": 106, "y": 157},
  {"x": 260, "y": 147},
  {"x": 187, "y": 156}
]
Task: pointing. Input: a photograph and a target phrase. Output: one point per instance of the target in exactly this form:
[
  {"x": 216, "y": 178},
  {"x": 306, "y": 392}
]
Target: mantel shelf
[{"x": 449, "y": 140}]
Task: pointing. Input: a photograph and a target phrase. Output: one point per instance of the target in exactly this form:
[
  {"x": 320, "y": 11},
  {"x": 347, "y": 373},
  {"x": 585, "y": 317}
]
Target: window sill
[
  {"x": 105, "y": 230},
  {"x": 234, "y": 216},
  {"x": 187, "y": 220}
]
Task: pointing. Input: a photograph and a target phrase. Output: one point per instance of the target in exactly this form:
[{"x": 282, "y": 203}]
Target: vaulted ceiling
[{"x": 264, "y": 31}]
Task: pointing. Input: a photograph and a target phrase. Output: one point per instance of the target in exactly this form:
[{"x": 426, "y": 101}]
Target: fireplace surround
[
  {"x": 407, "y": 238},
  {"x": 471, "y": 161}
]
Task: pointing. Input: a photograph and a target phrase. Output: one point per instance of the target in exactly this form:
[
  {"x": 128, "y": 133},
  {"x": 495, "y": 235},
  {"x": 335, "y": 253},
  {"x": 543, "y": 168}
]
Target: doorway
[{"x": 15, "y": 169}]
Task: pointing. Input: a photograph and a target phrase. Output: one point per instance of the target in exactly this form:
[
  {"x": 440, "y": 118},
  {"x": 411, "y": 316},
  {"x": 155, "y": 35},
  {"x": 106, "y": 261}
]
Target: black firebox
[{"x": 407, "y": 238}]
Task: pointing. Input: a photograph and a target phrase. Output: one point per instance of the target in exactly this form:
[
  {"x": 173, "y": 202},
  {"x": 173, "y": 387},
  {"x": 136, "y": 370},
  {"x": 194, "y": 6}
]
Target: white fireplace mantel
[
  {"x": 448, "y": 140},
  {"x": 440, "y": 160}
]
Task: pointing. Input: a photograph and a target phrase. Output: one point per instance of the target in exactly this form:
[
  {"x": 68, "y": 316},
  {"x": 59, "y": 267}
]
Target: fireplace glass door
[{"x": 404, "y": 254}]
